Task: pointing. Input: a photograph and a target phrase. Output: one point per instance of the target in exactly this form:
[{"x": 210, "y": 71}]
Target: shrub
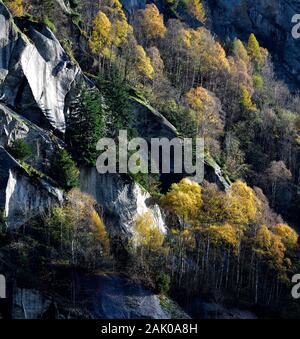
[
  {"x": 64, "y": 170},
  {"x": 20, "y": 150},
  {"x": 163, "y": 282},
  {"x": 77, "y": 232},
  {"x": 50, "y": 24},
  {"x": 3, "y": 227}
]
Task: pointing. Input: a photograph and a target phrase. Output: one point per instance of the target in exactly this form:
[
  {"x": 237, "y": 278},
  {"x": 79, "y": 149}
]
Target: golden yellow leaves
[
  {"x": 15, "y": 6},
  {"x": 143, "y": 62},
  {"x": 270, "y": 247},
  {"x": 151, "y": 23},
  {"x": 196, "y": 9},
  {"x": 79, "y": 213},
  {"x": 147, "y": 233},
  {"x": 101, "y": 40},
  {"x": 102, "y": 233},
  {"x": 227, "y": 221},
  {"x": 110, "y": 28},
  {"x": 257, "y": 54},
  {"x": 246, "y": 100},
  {"x": 184, "y": 199},
  {"x": 288, "y": 236},
  {"x": 205, "y": 107},
  {"x": 241, "y": 204},
  {"x": 225, "y": 234}
]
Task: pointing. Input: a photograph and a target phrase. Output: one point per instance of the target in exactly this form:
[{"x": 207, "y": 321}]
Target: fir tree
[{"x": 86, "y": 125}]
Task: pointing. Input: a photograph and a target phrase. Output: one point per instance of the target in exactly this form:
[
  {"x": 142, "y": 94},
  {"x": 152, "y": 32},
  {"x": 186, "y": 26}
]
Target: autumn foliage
[
  {"x": 15, "y": 6},
  {"x": 224, "y": 233}
]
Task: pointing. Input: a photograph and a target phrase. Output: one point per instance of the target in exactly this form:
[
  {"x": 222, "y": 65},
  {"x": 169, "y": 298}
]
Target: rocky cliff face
[
  {"x": 36, "y": 79},
  {"x": 36, "y": 73},
  {"x": 23, "y": 197},
  {"x": 105, "y": 297},
  {"x": 122, "y": 200}
]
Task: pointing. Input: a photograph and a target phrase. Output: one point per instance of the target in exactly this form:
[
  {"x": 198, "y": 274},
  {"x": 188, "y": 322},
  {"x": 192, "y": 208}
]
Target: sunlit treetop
[
  {"x": 196, "y": 9},
  {"x": 151, "y": 22},
  {"x": 15, "y": 6},
  {"x": 101, "y": 40},
  {"x": 184, "y": 199},
  {"x": 240, "y": 51},
  {"x": 241, "y": 204}
]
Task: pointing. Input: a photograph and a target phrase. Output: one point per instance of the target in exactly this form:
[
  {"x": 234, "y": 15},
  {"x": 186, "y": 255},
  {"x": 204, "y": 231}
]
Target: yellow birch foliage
[
  {"x": 151, "y": 22},
  {"x": 143, "y": 63},
  {"x": 246, "y": 100},
  {"x": 196, "y": 9},
  {"x": 147, "y": 233},
  {"x": 225, "y": 234},
  {"x": 101, "y": 39},
  {"x": 210, "y": 54},
  {"x": 241, "y": 204},
  {"x": 213, "y": 207},
  {"x": 206, "y": 108},
  {"x": 120, "y": 27},
  {"x": 270, "y": 247},
  {"x": 184, "y": 199},
  {"x": 288, "y": 236},
  {"x": 15, "y": 6},
  {"x": 102, "y": 233}
]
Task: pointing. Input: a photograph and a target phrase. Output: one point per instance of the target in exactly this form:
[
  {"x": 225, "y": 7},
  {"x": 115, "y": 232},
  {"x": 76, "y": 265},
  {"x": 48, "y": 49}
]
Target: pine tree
[
  {"x": 86, "y": 125},
  {"x": 240, "y": 51},
  {"x": 64, "y": 170},
  {"x": 116, "y": 92}
]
